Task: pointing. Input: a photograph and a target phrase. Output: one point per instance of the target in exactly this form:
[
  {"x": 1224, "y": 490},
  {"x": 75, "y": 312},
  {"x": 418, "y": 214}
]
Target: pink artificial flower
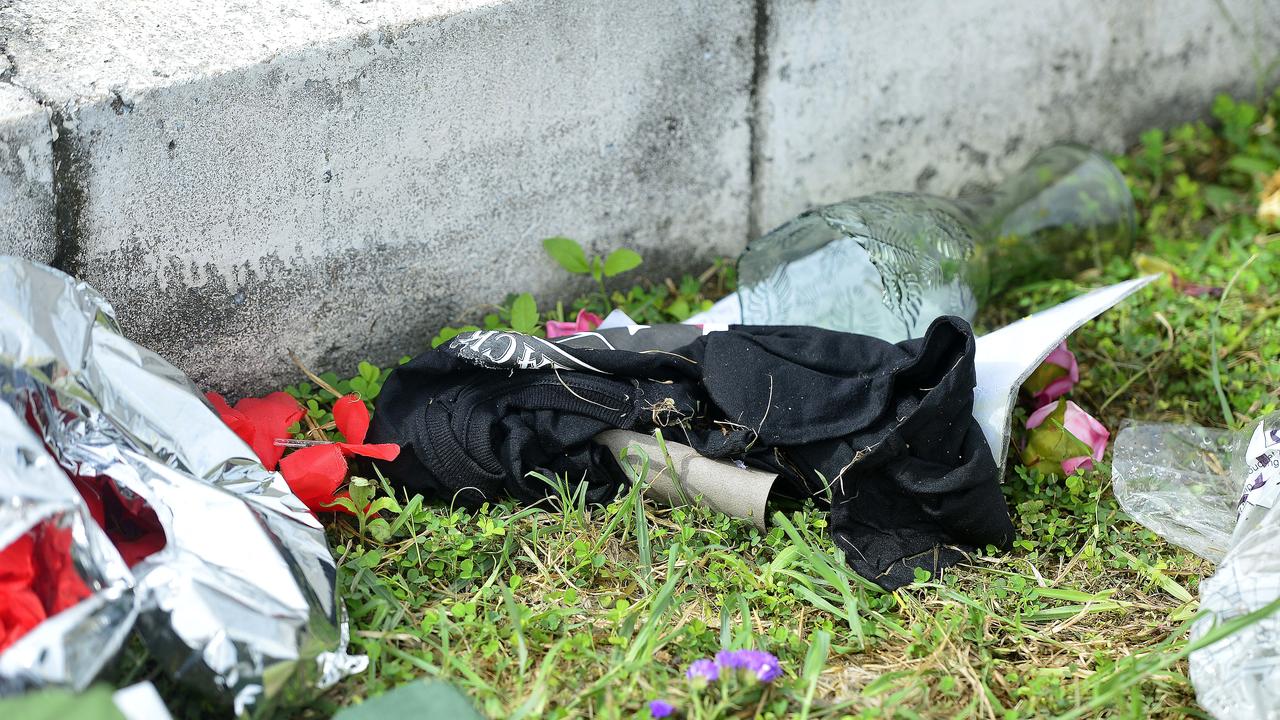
[
  {"x": 1071, "y": 439},
  {"x": 1055, "y": 377},
  {"x": 1191, "y": 289},
  {"x": 585, "y": 322}
]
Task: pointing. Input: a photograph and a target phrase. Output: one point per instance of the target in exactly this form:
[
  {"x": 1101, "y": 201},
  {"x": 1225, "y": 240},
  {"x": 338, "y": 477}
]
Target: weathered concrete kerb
[{"x": 341, "y": 178}]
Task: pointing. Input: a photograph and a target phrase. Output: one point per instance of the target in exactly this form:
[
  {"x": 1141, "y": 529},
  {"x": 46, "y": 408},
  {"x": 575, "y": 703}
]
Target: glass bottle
[{"x": 887, "y": 264}]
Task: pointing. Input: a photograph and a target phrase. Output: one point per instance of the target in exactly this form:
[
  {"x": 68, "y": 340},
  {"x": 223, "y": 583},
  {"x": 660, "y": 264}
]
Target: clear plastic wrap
[
  {"x": 1214, "y": 492},
  {"x": 1176, "y": 480},
  {"x": 1239, "y": 676}
]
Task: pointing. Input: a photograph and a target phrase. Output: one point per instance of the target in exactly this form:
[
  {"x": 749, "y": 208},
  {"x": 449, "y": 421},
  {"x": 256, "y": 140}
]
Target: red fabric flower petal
[
  {"x": 17, "y": 566},
  {"x": 231, "y": 417},
  {"x": 314, "y": 474},
  {"x": 352, "y": 418},
  {"x": 378, "y": 451},
  {"x": 138, "y": 549},
  {"x": 133, "y": 527},
  {"x": 58, "y": 584},
  {"x": 20, "y": 610},
  {"x": 219, "y": 403},
  {"x": 89, "y": 490},
  {"x": 37, "y": 579},
  {"x": 131, "y": 524},
  {"x": 270, "y": 417},
  {"x": 20, "y": 607}
]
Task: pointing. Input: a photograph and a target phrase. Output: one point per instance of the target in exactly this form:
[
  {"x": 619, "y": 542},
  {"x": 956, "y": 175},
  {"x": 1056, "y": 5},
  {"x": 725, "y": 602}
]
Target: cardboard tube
[{"x": 721, "y": 485}]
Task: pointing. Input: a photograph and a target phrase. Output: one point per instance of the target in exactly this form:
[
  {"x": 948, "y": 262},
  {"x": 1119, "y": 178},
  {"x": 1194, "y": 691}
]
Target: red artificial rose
[
  {"x": 260, "y": 422},
  {"x": 90, "y": 489},
  {"x": 20, "y": 610},
  {"x": 57, "y": 583},
  {"x": 37, "y": 579},
  {"x": 17, "y": 565},
  {"x": 132, "y": 527},
  {"x": 315, "y": 473}
]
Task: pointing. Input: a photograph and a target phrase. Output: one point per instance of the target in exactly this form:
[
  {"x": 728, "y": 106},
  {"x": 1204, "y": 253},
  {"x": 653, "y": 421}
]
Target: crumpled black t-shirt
[{"x": 882, "y": 431}]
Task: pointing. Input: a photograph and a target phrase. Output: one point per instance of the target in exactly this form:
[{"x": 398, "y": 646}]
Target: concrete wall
[
  {"x": 26, "y": 176},
  {"x": 342, "y": 178},
  {"x": 863, "y": 96}
]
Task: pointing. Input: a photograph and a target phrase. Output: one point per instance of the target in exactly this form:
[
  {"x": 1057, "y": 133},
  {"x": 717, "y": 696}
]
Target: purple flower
[
  {"x": 768, "y": 670},
  {"x": 660, "y": 708},
  {"x": 731, "y": 659},
  {"x": 764, "y": 666},
  {"x": 703, "y": 672}
]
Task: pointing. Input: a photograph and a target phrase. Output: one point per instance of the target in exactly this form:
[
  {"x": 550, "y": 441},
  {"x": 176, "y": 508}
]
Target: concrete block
[
  {"x": 345, "y": 196},
  {"x": 858, "y": 96},
  {"x": 26, "y": 175},
  {"x": 247, "y": 177}
]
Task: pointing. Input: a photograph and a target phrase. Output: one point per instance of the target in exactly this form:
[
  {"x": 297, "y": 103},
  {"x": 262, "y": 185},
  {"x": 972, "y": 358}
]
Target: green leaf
[
  {"x": 620, "y": 261},
  {"x": 568, "y": 253},
  {"x": 1220, "y": 198},
  {"x": 93, "y": 704},
  {"x": 380, "y": 529},
  {"x": 361, "y": 492},
  {"x": 449, "y": 333},
  {"x": 1250, "y": 165},
  {"x": 524, "y": 314},
  {"x": 814, "y": 661},
  {"x": 386, "y": 502},
  {"x": 680, "y": 309},
  {"x": 420, "y": 698},
  {"x": 367, "y": 389}
]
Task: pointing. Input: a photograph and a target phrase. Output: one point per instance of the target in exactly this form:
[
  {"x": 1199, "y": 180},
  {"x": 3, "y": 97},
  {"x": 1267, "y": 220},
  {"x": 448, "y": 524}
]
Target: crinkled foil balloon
[
  {"x": 66, "y": 649},
  {"x": 240, "y": 602}
]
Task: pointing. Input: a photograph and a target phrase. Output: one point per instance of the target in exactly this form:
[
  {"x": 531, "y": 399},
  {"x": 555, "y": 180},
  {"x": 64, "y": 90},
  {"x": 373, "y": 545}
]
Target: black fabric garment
[{"x": 883, "y": 432}]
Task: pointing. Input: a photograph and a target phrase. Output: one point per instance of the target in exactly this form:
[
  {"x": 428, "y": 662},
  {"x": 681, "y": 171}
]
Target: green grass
[{"x": 565, "y": 610}]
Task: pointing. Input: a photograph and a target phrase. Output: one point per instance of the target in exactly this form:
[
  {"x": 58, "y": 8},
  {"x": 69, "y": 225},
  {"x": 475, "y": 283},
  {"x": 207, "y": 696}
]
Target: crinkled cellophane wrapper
[{"x": 240, "y": 603}]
